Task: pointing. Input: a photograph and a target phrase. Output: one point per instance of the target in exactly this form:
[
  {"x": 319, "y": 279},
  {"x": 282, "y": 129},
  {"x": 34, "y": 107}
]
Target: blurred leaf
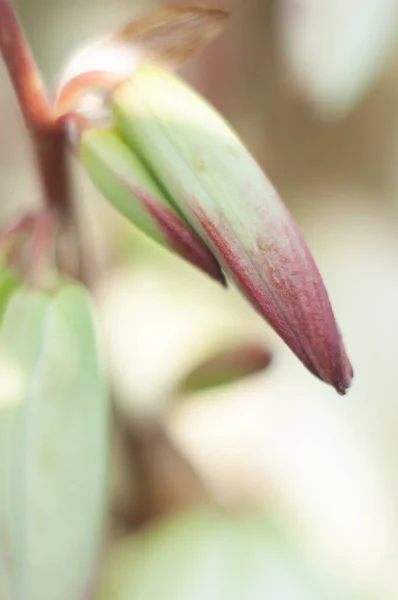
[
  {"x": 335, "y": 49},
  {"x": 210, "y": 555},
  {"x": 172, "y": 35},
  {"x": 53, "y": 445},
  {"x": 9, "y": 282},
  {"x": 227, "y": 366}
]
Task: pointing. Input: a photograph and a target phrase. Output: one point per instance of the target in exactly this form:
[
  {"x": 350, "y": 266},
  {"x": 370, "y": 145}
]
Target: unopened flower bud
[{"x": 210, "y": 178}]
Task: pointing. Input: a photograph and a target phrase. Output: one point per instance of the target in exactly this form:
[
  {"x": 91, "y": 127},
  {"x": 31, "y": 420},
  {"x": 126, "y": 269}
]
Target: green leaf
[
  {"x": 212, "y": 555},
  {"x": 53, "y": 445}
]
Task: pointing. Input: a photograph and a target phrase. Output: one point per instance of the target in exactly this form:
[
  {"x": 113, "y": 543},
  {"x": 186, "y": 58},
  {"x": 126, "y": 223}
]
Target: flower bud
[{"x": 212, "y": 180}]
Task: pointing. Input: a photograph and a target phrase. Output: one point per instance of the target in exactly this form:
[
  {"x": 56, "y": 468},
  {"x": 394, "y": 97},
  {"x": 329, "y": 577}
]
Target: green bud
[
  {"x": 181, "y": 173},
  {"x": 227, "y": 199}
]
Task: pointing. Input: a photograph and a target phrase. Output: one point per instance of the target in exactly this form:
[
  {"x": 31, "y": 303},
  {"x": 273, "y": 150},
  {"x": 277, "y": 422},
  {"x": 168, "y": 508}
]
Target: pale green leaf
[{"x": 53, "y": 445}]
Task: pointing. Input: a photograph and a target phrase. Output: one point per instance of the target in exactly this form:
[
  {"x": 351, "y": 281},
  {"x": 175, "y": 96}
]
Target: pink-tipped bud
[{"x": 223, "y": 194}]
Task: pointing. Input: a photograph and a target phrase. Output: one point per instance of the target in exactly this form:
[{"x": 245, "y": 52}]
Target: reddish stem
[
  {"x": 51, "y": 151},
  {"x": 22, "y": 69},
  {"x": 47, "y": 135}
]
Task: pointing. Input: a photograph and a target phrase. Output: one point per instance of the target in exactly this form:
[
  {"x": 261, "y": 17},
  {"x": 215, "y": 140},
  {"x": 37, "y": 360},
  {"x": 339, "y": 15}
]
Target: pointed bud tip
[{"x": 344, "y": 382}]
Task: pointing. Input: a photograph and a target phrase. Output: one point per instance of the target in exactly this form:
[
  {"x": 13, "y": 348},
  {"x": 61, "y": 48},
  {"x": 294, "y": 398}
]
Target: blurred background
[{"x": 297, "y": 487}]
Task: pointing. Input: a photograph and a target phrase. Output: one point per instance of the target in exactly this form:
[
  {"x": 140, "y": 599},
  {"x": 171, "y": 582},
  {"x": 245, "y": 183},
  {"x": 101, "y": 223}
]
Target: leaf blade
[{"x": 57, "y": 447}]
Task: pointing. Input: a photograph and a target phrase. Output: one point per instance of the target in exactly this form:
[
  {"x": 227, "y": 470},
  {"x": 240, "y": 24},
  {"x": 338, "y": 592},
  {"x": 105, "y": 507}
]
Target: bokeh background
[{"x": 312, "y": 87}]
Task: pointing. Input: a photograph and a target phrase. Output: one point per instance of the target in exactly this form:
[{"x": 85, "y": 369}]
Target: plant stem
[
  {"x": 22, "y": 69},
  {"x": 47, "y": 135}
]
